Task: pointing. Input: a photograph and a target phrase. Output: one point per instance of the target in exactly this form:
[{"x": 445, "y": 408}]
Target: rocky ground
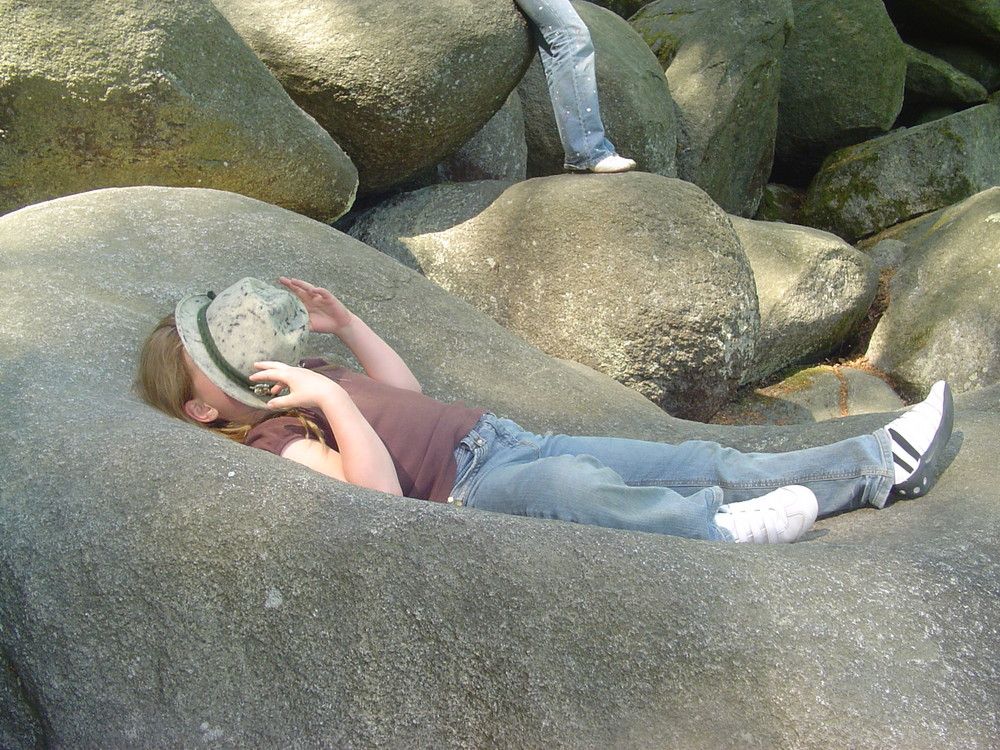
[{"x": 811, "y": 239}]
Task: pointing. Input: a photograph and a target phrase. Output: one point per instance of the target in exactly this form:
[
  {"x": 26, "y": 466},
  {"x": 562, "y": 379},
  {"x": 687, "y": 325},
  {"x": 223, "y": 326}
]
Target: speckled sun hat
[{"x": 247, "y": 322}]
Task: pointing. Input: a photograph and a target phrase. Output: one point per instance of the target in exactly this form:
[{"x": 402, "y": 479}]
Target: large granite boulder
[
  {"x": 843, "y": 76},
  {"x": 592, "y": 269},
  {"x": 873, "y": 185},
  {"x": 497, "y": 152},
  {"x": 722, "y": 61},
  {"x": 811, "y": 394},
  {"x": 160, "y": 93},
  {"x": 163, "y": 587},
  {"x": 814, "y": 290},
  {"x": 398, "y": 95},
  {"x": 638, "y": 112},
  {"x": 981, "y": 64},
  {"x": 931, "y": 80},
  {"x": 943, "y": 320}
]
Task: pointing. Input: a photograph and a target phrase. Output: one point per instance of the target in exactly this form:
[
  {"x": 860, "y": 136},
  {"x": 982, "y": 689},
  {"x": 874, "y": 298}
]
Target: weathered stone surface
[
  {"x": 638, "y": 112},
  {"x": 887, "y": 253},
  {"x": 400, "y": 84},
  {"x": 889, "y": 247},
  {"x": 497, "y": 152},
  {"x": 864, "y": 188},
  {"x": 396, "y": 225},
  {"x": 814, "y": 289},
  {"x": 162, "y": 587},
  {"x": 943, "y": 319},
  {"x": 812, "y": 394},
  {"x": 843, "y": 75},
  {"x": 722, "y": 61},
  {"x": 983, "y": 65},
  {"x": 935, "y": 89},
  {"x": 161, "y": 93},
  {"x": 779, "y": 203},
  {"x": 931, "y": 79},
  {"x": 590, "y": 268}
]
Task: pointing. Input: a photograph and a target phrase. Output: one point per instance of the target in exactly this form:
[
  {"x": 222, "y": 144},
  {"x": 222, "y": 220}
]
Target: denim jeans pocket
[{"x": 469, "y": 457}]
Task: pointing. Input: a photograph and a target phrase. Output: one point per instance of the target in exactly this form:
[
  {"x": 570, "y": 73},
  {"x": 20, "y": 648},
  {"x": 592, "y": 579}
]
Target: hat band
[{"x": 216, "y": 356}]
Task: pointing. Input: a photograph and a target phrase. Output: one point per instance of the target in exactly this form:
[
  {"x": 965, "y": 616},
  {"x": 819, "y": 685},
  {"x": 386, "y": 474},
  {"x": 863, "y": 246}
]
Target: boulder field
[
  {"x": 163, "y": 587},
  {"x": 809, "y": 241}
]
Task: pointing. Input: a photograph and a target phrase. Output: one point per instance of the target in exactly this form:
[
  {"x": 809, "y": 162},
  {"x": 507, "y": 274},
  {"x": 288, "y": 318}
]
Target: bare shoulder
[{"x": 316, "y": 456}]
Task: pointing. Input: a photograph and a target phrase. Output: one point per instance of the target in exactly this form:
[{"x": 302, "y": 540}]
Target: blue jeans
[
  {"x": 567, "y": 55},
  {"x": 655, "y": 487}
]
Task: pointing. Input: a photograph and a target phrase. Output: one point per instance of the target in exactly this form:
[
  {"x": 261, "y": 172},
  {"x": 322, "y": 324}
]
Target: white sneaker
[
  {"x": 779, "y": 517},
  {"x": 613, "y": 163},
  {"x": 917, "y": 438}
]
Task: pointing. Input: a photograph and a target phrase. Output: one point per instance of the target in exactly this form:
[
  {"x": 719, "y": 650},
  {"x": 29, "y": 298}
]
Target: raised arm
[
  {"x": 362, "y": 458},
  {"x": 327, "y": 314}
]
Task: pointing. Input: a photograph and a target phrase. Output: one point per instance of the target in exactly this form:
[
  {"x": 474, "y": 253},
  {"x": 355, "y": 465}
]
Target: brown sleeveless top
[{"x": 420, "y": 433}]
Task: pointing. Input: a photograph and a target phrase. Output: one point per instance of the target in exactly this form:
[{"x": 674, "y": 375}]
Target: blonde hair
[{"x": 164, "y": 382}]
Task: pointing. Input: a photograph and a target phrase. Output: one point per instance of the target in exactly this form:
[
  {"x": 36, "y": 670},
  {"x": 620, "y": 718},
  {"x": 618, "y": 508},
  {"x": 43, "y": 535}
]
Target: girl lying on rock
[{"x": 223, "y": 362}]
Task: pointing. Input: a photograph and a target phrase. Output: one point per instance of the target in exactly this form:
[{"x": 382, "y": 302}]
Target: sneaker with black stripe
[{"x": 917, "y": 439}]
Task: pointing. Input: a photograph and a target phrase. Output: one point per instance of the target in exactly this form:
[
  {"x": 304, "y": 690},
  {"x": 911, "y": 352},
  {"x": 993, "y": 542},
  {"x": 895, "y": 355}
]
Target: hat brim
[{"x": 186, "y": 319}]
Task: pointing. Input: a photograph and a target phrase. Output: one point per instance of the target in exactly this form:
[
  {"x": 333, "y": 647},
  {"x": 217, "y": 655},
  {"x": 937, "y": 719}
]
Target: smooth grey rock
[
  {"x": 497, "y": 152},
  {"x": 163, "y": 587},
  {"x": 395, "y": 226},
  {"x": 590, "y": 268},
  {"x": 813, "y": 394},
  {"x": 722, "y": 61},
  {"x": 814, "y": 290},
  {"x": 931, "y": 79},
  {"x": 906, "y": 232},
  {"x": 639, "y": 115},
  {"x": 888, "y": 253},
  {"x": 399, "y": 83},
  {"x": 943, "y": 319},
  {"x": 843, "y": 76},
  {"x": 158, "y": 93},
  {"x": 864, "y": 188}
]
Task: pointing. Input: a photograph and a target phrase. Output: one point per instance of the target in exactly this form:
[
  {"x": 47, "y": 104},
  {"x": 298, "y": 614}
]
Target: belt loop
[{"x": 477, "y": 448}]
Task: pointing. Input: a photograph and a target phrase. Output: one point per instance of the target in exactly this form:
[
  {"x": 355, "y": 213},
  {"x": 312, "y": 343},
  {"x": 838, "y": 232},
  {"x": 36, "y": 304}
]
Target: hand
[
  {"x": 327, "y": 314},
  {"x": 305, "y": 387},
  {"x": 360, "y": 457}
]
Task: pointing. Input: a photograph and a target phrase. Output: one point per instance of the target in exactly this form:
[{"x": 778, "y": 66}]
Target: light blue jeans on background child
[
  {"x": 655, "y": 487},
  {"x": 567, "y": 54}
]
